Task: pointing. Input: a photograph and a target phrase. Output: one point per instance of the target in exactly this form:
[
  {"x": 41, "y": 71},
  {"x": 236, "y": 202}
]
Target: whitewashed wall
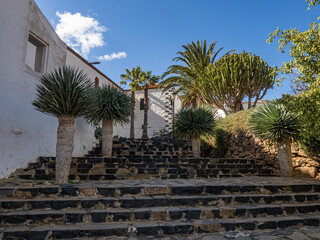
[
  {"x": 158, "y": 114},
  {"x": 26, "y": 133}
]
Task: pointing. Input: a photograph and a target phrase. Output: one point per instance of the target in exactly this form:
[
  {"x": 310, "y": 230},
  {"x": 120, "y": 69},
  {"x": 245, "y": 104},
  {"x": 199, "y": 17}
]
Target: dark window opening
[{"x": 142, "y": 103}]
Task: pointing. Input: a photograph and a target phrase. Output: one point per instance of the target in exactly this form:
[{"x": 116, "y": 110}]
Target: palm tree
[
  {"x": 192, "y": 123},
  {"x": 273, "y": 122},
  {"x": 109, "y": 105},
  {"x": 132, "y": 77},
  {"x": 196, "y": 57},
  {"x": 62, "y": 93},
  {"x": 147, "y": 80}
]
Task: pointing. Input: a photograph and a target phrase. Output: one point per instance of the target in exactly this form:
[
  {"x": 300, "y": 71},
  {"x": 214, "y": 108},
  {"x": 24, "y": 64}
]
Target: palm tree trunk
[
  {"x": 145, "y": 119},
  {"x": 107, "y": 137},
  {"x": 64, "y": 148},
  {"x": 195, "y": 147},
  {"x": 133, "y": 103},
  {"x": 285, "y": 158}
]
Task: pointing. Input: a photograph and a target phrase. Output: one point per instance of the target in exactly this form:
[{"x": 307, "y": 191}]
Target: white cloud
[
  {"x": 80, "y": 32},
  {"x": 113, "y": 55}
]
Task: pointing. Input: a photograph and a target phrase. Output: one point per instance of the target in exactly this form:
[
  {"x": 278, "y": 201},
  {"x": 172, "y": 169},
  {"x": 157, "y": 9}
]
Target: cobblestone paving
[{"x": 284, "y": 234}]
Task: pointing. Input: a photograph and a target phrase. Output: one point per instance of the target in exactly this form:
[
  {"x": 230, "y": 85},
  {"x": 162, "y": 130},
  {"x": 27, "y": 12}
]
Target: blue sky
[{"x": 148, "y": 33}]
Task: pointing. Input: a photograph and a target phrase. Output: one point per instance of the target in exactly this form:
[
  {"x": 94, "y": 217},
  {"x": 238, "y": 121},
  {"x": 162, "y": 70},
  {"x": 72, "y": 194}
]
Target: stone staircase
[
  {"x": 151, "y": 148},
  {"x": 154, "y": 189},
  {"x": 98, "y": 168},
  {"x": 148, "y": 159},
  {"x": 157, "y": 208}
]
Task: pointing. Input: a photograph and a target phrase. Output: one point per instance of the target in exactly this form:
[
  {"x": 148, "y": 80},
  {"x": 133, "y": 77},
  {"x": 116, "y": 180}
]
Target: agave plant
[
  {"x": 62, "y": 93},
  {"x": 192, "y": 123},
  {"x": 109, "y": 105},
  {"x": 273, "y": 122}
]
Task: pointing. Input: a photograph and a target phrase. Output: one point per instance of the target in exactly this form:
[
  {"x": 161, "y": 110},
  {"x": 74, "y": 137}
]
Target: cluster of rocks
[{"x": 245, "y": 145}]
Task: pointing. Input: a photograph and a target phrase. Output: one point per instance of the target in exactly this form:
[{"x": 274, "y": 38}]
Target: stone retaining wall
[{"x": 246, "y": 145}]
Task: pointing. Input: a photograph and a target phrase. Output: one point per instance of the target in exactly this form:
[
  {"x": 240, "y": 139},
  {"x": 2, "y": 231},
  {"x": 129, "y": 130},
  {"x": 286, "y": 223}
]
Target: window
[
  {"x": 142, "y": 103},
  {"x": 96, "y": 82},
  {"x": 36, "y": 53}
]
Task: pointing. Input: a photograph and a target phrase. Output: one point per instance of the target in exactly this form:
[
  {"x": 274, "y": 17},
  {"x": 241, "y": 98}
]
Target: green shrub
[
  {"x": 98, "y": 132},
  {"x": 307, "y": 106},
  {"x": 220, "y": 137}
]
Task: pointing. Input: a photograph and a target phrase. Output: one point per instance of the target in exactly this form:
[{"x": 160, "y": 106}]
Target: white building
[
  {"x": 29, "y": 47},
  {"x": 162, "y": 109}
]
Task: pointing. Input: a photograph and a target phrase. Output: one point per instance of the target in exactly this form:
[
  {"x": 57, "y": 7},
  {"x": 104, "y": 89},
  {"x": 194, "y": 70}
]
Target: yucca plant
[
  {"x": 109, "y": 105},
  {"x": 192, "y": 123},
  {"x": 274, "y": 123},
  {"x": 62, "y": 93}
]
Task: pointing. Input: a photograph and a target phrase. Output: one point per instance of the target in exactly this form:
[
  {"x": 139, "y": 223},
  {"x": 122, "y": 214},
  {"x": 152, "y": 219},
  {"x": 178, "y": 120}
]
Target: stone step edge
[
  {"x": 158, "y": 229},
  {"x": 187, "y": 200},
  {"x": 76, "y": 190},
  {"x": 315, "y": 207}
]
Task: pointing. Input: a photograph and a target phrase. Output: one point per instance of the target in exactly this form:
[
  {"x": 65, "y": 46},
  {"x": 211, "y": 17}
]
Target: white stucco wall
[
  {"x": 157, "y": 114},
  {"x": 25, "y": 133}
]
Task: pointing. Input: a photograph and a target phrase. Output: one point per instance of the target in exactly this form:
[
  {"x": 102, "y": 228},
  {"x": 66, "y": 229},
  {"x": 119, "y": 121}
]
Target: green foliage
[
  {"x": 147, "y": 79},
  {"x": 194, "y": 122},
  {"x": 234, "y": 77},
  {"x": 108, "y": 103},
  {"x": 131, "y": 77},
  {"x": 235, "y": 122},
  {"x": 307, "y": 106},
  {"x": 274, "y": 122},
  {"x": 195, "y": 58},
  {"x": 62, "y": 92},
  {"x": 98, "y": 132},
  {"x": 161, "y": 133},
  {"x": 312, "y": 3},
  {"x": 220, "y": 136},
  {"x": 304, "y": 50}
]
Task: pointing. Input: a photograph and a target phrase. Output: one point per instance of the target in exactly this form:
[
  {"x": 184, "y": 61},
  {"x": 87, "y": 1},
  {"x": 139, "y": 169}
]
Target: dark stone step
[
  {"x": 37, "y": 217},
  {"x": 189, "y": 188},
  {"x": 7, "y": 205},
  {"x": 157, "y": 229}
]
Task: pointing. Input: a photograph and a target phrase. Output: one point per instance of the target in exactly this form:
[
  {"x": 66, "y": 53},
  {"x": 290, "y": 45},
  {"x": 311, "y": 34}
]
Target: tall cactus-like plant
[
  {"x": 273, "y": 122},
  {"x": 193, "y": 123}
]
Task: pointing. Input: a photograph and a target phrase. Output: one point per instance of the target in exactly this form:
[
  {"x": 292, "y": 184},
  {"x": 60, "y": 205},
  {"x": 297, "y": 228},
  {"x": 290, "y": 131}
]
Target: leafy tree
[
  {"x": 275, "y": 123},
  {"x": 146, "y": 81},
  {"x": 132, "y": 77},
  {"x": 195, "y": 58},
  {"x": 304, "y": 50},
  {"x": 308, "y": 110},
  {"x": 193, "y": 123},
  {"x": 235, "y": 77},
  {"x": 312, "y": 3},
  {"x": 62, "y": 93},
  {"x": 111, "y": 106}
]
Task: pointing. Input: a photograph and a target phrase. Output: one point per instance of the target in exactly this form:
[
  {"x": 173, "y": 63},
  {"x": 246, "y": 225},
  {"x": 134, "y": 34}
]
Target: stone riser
[
  {"x": 7, "y": 205},
  {"x": 157, "y": 229},
  {"x": 144, "y": 168},
  {"x": 154, "y": 214},
  {"x": 89, "y": 191},
  {"x": 153, "y": 173}
]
